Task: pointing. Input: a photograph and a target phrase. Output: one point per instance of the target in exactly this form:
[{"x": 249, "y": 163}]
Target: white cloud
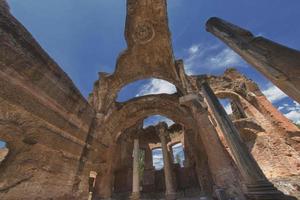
[
  {"x": 294, "y": 116},
  {"x": 157, "y": 86},
  {"x": 274, "y": 94},
  {"x": 226, "y": 58},
  {"x": 228, "y": 109},
  {"x": 158, "y": 161},
  {"x": 210, "y": 57},
  {"x": 280, "y": 107},
  {"x": 293, "y": 111},
  {"x": 226, "y": 105},
  {"x": 194, "y": 49}
]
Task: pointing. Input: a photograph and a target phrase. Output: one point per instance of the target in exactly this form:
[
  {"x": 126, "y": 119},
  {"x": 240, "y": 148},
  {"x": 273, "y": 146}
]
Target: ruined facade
[{"x": 61, "y": 146}]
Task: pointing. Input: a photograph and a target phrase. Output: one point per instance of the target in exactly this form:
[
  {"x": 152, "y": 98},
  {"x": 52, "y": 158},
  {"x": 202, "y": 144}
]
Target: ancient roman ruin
[{"x": 61, "y": 146}]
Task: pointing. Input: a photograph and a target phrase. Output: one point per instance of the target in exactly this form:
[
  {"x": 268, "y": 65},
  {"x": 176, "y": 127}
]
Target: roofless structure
[{"x": 61, "y": 146}]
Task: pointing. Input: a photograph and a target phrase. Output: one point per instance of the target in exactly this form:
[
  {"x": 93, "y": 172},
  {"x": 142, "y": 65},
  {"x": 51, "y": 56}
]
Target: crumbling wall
[
  {"x": 269, "y": 135},
  {"x": 43, "y": 118}
]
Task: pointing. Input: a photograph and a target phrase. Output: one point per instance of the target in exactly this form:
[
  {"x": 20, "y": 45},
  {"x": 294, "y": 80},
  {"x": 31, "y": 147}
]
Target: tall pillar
[
  {"x": 135, "y": 174},
  {"x": 257, "y": 184},
  {"x": 104, "y": 181},
  {"x": 278, "y": 63},
  {"x": 163, "y": 134},
  {"x": 221, "y": 165},
  {"x": 197, "y": 151},
  {"x": 148, "y": 159},
  {"x": 149, "y": 171}
]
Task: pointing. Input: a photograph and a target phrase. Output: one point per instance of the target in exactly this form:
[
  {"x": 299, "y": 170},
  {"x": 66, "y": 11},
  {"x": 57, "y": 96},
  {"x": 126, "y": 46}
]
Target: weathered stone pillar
[
  {"x": 196, "y": 149},
  {"x": 105, "y": 178},
  {"x": 278, "y": 63},
  {"x": 135, "y": 173},
  {"x": 220, "y": 163},
  {"x": 148, "y": 159},
  {"x": 257, "y": 184},
  {"x": 170, "y": 189}
]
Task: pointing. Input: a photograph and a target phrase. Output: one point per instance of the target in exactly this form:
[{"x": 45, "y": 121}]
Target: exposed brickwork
[{"x": 56, "y": 138}]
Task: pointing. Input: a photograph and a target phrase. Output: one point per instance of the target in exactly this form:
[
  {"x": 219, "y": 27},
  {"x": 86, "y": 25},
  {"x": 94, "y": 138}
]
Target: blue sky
[
  {"x": 85, "y": 37},
  {"x": 157, "y": 156}
]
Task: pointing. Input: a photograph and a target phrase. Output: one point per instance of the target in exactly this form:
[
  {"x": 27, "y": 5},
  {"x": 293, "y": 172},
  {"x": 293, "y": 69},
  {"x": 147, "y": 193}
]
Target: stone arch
[
  {"x": 109, "y": 86},
  {"x": 247, "y": 107},
  {"x": 249, "y": 127},
  {"x": 175, "y": 143},
  {"x": 139, "y": 108},
  {"x": 156, "y": 147}
]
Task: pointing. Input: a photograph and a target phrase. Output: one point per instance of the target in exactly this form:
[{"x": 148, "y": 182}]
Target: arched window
[
  {"x": 3, "y": 151},
  {"x": 226, "y": 103},
  {"x": 145, "y": 87},
  {"x": 233, "y": 108},
  {"x": 157, "y": 157},
  {"x": 178, "y": 154},
  {"x": 155, "y": 119}
]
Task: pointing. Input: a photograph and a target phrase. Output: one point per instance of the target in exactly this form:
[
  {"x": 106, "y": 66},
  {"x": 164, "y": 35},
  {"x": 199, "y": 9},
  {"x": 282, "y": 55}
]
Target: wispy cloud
[
  {"x": 226, "y": 105},
  {"x": 211, "y": 57},
  {"x": 274, "y": 94},
  {"x": 228, "y": 109},
  {"x": 292, "y": 112},
  {"x": 158, "y": 161},
  {"x": 157, "y": 86}
]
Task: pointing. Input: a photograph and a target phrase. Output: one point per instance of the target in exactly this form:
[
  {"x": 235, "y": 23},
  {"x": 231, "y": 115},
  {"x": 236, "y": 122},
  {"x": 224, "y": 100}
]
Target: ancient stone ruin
[{"x": 61, "y": 146}]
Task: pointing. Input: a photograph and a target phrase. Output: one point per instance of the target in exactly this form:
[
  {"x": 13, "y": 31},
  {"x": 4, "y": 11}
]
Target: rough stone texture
[
  {"x": 267, "y": 133},
  {"x": 56, "y": 138},
  {"x": 43, "y": 118}
]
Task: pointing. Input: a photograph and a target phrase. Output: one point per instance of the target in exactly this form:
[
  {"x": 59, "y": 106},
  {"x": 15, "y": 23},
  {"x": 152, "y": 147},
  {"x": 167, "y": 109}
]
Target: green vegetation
[
  {"x": 178, "y": 159},
  {"x": 141, "y": 164}
]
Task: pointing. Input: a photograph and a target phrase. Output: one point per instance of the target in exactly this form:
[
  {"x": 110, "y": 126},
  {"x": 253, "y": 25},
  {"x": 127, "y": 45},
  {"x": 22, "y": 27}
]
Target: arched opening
[
  {"x": 155, "y": 119},
  {"x": 178, "y": 154},
  {"x": 233, "y": 107},
  {"x": 157, "y": 157},
  {"x": 145, "y": 87},
  {"x": 150, "y": 110},
  {"x": 226, "y": 103},
  {"x": 3, "y": 151}
]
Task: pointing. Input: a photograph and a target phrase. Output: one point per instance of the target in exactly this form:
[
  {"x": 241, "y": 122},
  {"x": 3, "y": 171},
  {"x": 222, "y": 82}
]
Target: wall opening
[
  {"x": 226, "y": 103},
  {"x": 157, "y": 157},
  {"x": 155, "y": 119},
  {"x": 3, "y": 150},
  {"x": 233, "y": 108},
  {"x": 145, "y": 87},
  {"x": 178, "y": 154}
]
